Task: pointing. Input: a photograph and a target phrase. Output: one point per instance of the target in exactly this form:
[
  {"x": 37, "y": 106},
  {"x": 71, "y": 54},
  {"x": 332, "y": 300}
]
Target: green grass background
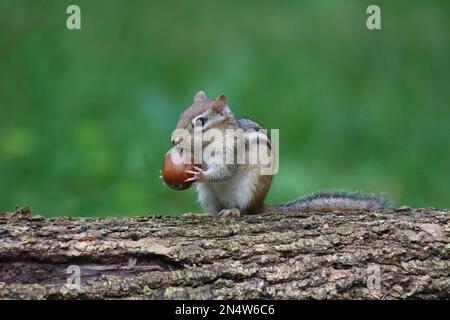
[{"x": 86, "y": 116}]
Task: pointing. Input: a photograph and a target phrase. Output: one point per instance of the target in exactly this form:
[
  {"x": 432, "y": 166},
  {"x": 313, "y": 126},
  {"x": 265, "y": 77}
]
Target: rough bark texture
[{"x": 322, "y": 255}]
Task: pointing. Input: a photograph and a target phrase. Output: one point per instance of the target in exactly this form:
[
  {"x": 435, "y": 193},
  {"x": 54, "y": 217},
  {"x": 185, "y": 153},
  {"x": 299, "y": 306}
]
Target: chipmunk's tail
[{"x": 333, "y": 200}]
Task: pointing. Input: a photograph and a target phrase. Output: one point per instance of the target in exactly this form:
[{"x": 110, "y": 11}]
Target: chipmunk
[{"x": 226, "y": 189}]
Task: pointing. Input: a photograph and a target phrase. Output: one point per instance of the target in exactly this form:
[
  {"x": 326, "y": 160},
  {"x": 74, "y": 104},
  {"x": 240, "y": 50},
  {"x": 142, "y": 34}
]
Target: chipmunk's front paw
[
  {"x": 229, "y": 213},
  {"x": 198, "y": 175}
]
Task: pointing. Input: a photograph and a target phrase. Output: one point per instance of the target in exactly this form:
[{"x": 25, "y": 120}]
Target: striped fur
[{"x": 334, "y": 200}]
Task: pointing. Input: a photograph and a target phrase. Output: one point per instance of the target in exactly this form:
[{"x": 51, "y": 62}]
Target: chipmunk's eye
[{"x": 200, "y": 121}]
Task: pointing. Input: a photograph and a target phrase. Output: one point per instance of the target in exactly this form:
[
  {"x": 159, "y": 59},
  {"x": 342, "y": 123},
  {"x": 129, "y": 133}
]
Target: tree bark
[{"x": 395, "y": 254}]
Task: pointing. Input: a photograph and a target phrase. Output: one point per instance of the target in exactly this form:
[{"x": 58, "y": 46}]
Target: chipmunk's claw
[
  {"x": 197, "y": 174},
  {"x": 193, "y": 179},
  {"x": 162, "y": 179},
  {"x": 229, "y": 213}
]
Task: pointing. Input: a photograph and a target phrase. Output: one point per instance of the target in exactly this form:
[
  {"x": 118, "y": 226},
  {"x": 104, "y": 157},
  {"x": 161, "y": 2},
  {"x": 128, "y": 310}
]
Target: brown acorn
[{"x": 176, "y": 161}]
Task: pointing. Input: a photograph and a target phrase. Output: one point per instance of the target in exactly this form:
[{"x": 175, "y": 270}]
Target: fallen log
[{"x": 395, "y": 254}]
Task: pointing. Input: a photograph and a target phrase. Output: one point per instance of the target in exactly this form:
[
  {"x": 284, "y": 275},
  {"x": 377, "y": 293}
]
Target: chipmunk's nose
[{"x": 176, "y": 140}]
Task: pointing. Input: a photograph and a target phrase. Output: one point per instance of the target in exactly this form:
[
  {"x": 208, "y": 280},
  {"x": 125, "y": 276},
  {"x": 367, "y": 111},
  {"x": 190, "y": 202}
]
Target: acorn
[{"x": 176, "y": 161}]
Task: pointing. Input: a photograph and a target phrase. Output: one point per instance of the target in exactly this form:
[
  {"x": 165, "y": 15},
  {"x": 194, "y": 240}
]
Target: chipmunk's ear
[
  {"x": 200, "y": 96},
  {"x": 220, "y": 102}
]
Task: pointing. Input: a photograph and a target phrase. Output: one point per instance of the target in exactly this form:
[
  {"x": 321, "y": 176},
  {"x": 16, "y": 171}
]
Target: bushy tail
[{"x": 334, "y": 200}]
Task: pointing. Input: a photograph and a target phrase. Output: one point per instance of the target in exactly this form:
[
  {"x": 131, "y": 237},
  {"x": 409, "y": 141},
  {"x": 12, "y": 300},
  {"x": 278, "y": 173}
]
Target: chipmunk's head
[{"x": 205, "y": 114}]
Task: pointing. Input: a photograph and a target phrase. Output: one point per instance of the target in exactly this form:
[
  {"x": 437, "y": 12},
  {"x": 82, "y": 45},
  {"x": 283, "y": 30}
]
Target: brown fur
[
  {"x": 257, "y": 202},
  {"x": 200, "y": 105}
]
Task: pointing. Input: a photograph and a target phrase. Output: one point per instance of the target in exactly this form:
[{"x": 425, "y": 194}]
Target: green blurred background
[{"x": 86, "y": 116}]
